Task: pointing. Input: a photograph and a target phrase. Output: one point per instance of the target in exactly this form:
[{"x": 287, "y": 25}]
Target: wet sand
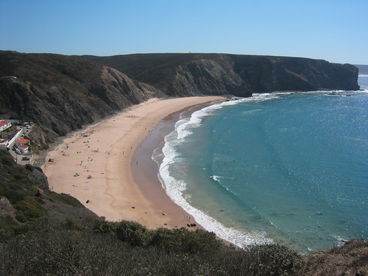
[
  {"x": 145, "y": 172},
  {"x": 108, "y": 165}
]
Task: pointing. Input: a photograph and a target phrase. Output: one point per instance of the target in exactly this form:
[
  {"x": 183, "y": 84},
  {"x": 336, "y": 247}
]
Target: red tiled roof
[
  {"x": 3, "y": 123},
  {"x": 23, "y": 146},
  {"x": 23, "y": 141}
]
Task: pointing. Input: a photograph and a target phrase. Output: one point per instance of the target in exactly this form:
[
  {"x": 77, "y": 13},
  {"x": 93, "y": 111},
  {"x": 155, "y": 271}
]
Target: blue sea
[{"x": 287, "y": 168}]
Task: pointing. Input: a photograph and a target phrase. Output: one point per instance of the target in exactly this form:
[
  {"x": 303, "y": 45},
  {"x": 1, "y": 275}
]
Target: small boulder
[{"x": 6, "y": 208}]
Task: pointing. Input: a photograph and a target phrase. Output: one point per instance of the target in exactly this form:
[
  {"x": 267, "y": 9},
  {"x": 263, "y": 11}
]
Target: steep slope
[
  {"x": 183, "y": 74},
  {"x": 26, "y": 201},
  {"x": 62, "y": 93}
]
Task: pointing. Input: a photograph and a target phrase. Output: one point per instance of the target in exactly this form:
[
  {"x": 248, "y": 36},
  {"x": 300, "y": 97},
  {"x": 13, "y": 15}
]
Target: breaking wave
[{"x": 175, "y": 188}]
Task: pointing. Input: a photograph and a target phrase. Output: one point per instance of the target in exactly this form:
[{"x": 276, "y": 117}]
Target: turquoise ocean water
[{"x": 287, "y": 168}]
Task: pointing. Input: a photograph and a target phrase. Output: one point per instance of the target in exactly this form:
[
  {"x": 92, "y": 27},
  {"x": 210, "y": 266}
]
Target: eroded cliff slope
[
  {"x": 62, "y": 93},
  {"x": 240, "y": 75}
]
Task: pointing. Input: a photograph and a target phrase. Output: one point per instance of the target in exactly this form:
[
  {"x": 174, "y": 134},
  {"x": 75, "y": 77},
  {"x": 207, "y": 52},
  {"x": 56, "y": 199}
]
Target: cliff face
[
  {"x": 294, "y": 74},
  {"x": 216, "y": 74},
  {"x": 61, "y": 93}
]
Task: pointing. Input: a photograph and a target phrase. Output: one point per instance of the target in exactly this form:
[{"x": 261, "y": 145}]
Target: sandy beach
[{"x": 95, "y": 166}]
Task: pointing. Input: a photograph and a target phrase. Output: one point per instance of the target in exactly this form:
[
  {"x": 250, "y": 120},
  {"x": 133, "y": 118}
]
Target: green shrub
[
  {"x": 28, "y": 209},
  {"x": 127, "y": 248},
  {"x": 102, "y": 226},
  {"x": 133, "y": 233},
  {"x": 274, "y": 259},
  {"x": 7, "y": 225},
  {"x": 10, "y": 228},
  {"x": 67, "y": 199},
  {"x": 200, "y": 241},
  {"x": 71, "y": 225},
  {"x": 176, "y": 240},
  {"x": 167, "y": 239},
  {"x": 12, "y": 195},
  {"x": 47, "y": 251},
  {"x": 183, "y": 240}
]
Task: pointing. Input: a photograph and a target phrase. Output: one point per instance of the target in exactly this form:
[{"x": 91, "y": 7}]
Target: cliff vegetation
[{"x": 45, "y": 233}]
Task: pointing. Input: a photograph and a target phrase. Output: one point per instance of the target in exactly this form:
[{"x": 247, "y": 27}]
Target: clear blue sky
[{"x": 336, "y": 30}]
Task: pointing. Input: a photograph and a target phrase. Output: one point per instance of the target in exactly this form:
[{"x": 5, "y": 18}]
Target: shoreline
[
  {"x": 146, "y": 171},
  {"x": 95, "y": 165}
]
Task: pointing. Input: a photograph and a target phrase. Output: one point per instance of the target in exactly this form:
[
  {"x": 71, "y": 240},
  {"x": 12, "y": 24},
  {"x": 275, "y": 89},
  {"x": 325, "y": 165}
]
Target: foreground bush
[
  {"x": 130, "y": 249},
  {"x": 275, "y": 258},
  {"x": 175, "y": 240}
]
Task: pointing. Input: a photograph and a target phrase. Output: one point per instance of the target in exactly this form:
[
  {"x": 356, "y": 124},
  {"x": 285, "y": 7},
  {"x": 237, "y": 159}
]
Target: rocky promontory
[{"x": 240, "y": 75}]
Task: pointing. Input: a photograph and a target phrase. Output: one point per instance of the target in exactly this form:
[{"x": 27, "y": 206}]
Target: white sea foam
[
  {"x": 362, "y": 90},
  {"x": 175, "y": 188},
  {"x": 248, "y": 112},
  {"x": 339, "y": 240},
  {"x": 216, "y": 178},
  {"x": 183, "y": 127}
]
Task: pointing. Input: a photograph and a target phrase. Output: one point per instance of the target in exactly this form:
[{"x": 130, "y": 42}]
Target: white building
[
  {"x": 4, "y": 124},
  {"x": 22, "y": 145},
  {"x": 22, "y": 149}
]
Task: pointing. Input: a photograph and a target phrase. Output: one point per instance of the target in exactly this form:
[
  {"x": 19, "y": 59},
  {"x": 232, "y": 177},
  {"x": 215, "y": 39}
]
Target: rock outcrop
[
  {"x": 6, "y": 209},
  {"x": 350, "y": 259},
  {"x": 240, "y": 75},
  {"x": 62, "y": 93}
]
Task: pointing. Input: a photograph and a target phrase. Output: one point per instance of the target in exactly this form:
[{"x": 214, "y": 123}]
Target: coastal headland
[{"x": 95, "y": 165}]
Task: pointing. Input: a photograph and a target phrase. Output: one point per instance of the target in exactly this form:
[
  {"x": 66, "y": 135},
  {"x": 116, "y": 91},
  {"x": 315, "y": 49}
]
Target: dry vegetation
[{"x": 44, "y": 233}]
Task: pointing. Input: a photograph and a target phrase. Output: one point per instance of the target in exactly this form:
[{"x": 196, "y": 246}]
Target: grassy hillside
[{"x": 26, "y": 201}]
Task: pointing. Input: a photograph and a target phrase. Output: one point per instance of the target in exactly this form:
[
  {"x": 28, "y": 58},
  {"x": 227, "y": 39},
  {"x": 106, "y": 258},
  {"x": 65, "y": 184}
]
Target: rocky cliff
[
  {"x": 62, "y": 93},
  {"x": 240, "y": 75}
]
